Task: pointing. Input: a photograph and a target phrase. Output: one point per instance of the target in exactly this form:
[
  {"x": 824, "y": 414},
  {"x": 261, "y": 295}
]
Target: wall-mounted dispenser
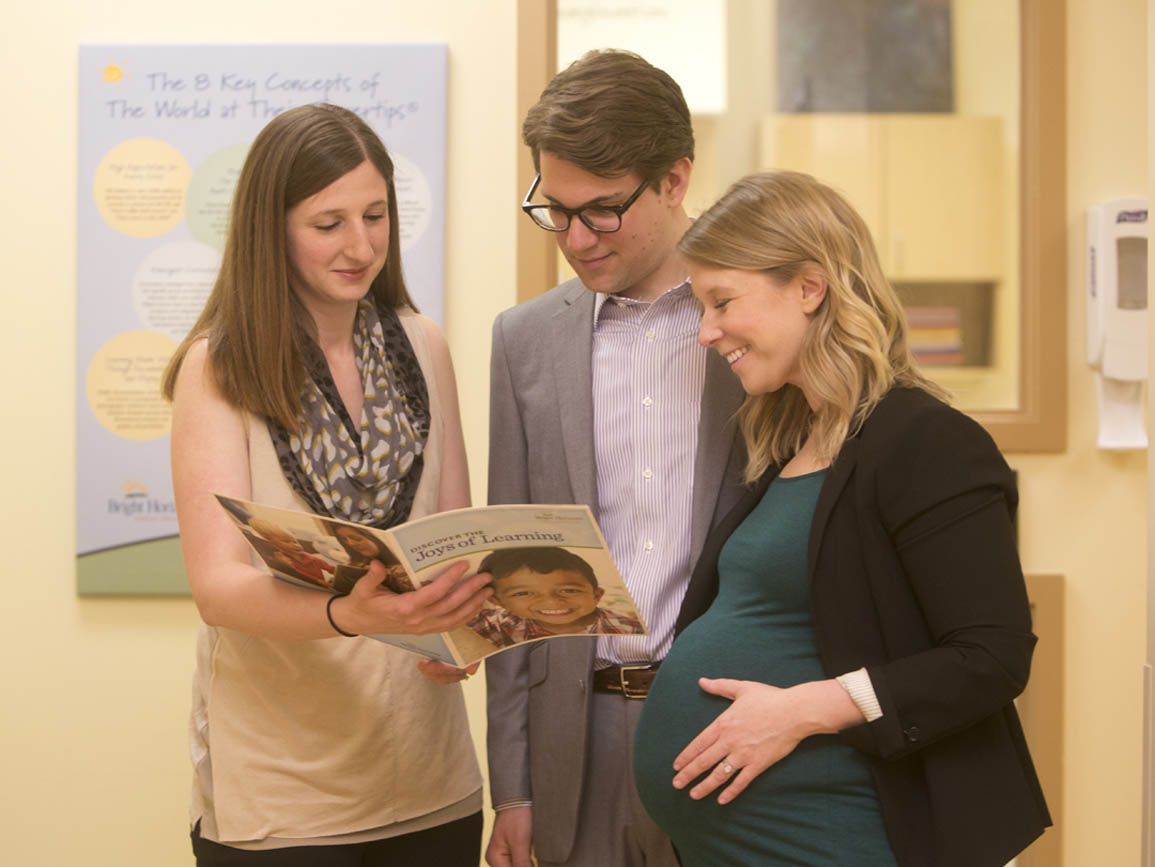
[{"x": 1117, "y": 318}]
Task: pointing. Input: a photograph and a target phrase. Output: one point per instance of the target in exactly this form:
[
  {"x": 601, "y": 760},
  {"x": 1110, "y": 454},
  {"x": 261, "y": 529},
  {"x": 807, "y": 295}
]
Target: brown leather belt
[{"x": 630, "y": 681}]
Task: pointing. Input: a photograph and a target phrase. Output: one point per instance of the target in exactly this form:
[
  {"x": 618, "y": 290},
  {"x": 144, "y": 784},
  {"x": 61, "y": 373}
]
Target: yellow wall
[
  {"x": 92, "y": 759},
  {"x": 1148, "y": 832},
  {"x": 1083, "y": 513},
  {"x": 93, "y": 766}
]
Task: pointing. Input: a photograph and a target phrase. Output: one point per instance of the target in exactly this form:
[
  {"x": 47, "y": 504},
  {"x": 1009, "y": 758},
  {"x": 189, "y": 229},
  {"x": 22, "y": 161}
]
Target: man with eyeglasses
[{"x": 600, "y": 394}]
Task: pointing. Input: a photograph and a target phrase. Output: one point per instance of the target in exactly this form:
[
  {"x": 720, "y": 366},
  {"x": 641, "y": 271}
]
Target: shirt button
[
  {"x": 647, "y": 473},
  {"x": 650, "y": 335},
  {"x": 649, "y": 546},
  {"x": 647, "y": 400}
]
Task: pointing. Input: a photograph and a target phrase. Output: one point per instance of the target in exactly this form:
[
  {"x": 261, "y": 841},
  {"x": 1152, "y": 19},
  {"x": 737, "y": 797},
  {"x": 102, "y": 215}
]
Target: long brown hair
[
  {"x": 253, "y": 320},
  {"x": 855, "y": 348}
]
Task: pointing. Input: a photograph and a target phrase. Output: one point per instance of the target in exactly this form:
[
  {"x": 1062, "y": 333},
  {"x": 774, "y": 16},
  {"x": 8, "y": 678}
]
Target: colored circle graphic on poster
[
  {"x": 172, "y": 284},
  {"x": 414, "y": 200},
  {"x": 210, "y": 194},
  {"x": 123, "y": 384},
  {"x": 140, "y": 187}
]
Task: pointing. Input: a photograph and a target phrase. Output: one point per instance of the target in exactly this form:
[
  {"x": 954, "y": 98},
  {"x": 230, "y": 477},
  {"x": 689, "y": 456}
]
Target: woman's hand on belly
[{"x": 762, "y": 725}]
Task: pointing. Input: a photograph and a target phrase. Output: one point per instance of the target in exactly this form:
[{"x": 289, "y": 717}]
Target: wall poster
[{"x": 163, "y": 131}]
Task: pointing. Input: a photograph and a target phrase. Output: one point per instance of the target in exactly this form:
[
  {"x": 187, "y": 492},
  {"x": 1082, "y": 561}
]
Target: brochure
[{"x": 552, "y": 572}]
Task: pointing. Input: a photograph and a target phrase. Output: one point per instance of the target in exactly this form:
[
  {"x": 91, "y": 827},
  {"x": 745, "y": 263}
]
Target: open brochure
[{"x": 552, "y": 573}]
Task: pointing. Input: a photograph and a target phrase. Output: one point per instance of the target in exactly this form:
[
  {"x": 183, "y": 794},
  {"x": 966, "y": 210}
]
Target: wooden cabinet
[{"x": 932, "y": 187}]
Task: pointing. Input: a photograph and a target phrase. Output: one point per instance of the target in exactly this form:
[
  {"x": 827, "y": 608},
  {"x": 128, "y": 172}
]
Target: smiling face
[
  {"x": 640, "y": 260},
  {"x": 357, "y": 542},
  {"x": 338, "y": 239},
  {"x": 560, "y": 601},
  {"x": 757, "y": 323}
]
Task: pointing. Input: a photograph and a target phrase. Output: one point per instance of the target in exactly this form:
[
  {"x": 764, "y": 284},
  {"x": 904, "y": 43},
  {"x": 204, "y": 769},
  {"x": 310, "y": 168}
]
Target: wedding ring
[{"x": 727, "y": 768}]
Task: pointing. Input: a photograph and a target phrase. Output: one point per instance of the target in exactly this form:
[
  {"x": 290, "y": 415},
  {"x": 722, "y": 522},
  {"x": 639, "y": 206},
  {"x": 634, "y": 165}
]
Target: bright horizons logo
[
  {"x": 133, "y": 489},
  {"x": 135, "y": 503}
]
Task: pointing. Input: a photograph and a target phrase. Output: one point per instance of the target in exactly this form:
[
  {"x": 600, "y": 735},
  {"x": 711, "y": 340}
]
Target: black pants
[{"x": 454, "y": 844}]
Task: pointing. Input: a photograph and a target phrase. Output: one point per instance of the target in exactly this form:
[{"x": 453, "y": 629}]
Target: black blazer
[{"x": 914, "y": 574}]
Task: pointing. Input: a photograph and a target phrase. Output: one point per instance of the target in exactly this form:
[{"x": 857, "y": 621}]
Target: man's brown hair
[{"x": 612, "y": 113}]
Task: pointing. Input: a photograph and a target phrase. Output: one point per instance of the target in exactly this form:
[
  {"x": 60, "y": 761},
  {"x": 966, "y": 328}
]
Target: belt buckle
[{"x": 627, "y": 691}]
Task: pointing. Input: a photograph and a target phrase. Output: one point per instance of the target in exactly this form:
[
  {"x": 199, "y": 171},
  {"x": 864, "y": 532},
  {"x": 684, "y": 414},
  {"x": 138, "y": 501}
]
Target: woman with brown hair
[
  {"x": 841, "y": 687},
  {"x": 361, "y": 549},
  {"x": 310, "y": 382}
]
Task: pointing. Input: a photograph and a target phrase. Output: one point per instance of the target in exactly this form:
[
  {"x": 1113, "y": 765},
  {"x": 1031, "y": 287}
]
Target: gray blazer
[{"x": 541, "y": 450}]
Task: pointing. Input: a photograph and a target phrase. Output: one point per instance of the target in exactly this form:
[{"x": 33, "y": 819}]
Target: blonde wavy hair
[{"x": 855, "y": 348}]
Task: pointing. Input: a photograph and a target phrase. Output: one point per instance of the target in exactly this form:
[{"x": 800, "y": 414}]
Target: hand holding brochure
[{"x": 552, "y": 573}]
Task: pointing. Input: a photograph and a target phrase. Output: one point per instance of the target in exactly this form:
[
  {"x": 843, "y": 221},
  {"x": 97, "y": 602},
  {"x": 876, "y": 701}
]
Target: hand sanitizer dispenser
[{"x": 1117, "y": 318}]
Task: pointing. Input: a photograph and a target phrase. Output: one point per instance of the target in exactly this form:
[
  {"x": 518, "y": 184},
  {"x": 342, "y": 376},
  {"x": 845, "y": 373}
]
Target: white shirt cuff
[
  {"x": 861, "y": 691},
  {"x": 497, "y": 808}
]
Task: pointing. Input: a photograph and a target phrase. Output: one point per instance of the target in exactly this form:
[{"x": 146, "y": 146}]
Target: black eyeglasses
[{"x": 597, "y": 218}]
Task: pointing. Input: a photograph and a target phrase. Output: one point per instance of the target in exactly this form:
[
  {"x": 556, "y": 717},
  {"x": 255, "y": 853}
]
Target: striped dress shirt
[{"x": 648, "y": 372}]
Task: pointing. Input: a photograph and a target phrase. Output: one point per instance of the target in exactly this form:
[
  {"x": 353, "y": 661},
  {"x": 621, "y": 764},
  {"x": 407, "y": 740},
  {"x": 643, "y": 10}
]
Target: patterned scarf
[{"x": 365, "y": 471}]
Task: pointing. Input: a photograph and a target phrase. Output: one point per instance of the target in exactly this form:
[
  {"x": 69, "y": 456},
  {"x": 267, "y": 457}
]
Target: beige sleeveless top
[{"x": 310, "y": 739}]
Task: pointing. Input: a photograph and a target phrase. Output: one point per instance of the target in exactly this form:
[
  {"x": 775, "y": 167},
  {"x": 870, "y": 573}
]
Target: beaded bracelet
[{"x": 329, "y": 614}]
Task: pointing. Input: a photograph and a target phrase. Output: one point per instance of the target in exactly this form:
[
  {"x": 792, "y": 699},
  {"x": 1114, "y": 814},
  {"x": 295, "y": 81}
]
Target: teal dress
[{"x": 818, "y": 806}]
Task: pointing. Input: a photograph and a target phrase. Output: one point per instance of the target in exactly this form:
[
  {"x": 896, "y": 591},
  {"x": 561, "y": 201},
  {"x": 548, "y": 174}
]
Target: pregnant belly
[
  {"x": 678, "y": 709},
  {"x": 814, "y": 806}
]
